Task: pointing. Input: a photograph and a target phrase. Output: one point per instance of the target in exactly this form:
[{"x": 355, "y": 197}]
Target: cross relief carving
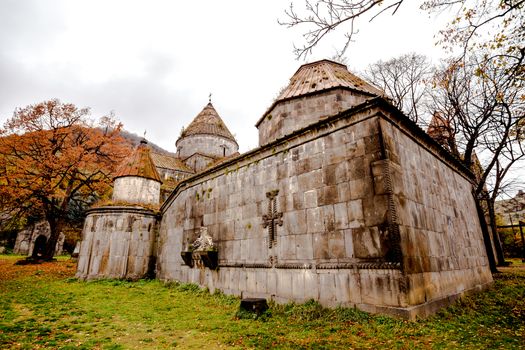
[{"x": 273, "y": 218}]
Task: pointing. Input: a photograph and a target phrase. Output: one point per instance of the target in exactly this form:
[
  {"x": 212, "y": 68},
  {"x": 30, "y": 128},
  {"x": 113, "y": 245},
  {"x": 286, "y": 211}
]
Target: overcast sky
[{"x": 153, "y": 63}]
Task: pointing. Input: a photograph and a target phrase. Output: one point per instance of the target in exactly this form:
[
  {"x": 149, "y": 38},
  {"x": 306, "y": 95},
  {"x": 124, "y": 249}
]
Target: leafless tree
[
  {"x": 486, "y": 108},
  {"x": 322, "y": 17},
  {"x": 404, "y": 79},
  {"x": 505, "y": 19},
  {"x": 487, "y": 111}
]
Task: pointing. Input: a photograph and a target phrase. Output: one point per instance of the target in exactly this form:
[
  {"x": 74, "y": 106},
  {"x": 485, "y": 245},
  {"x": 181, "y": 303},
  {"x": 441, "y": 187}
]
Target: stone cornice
[{"x": 121, "y": 209}]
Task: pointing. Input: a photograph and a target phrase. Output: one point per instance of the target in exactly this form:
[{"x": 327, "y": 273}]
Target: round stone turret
[
  {"x": 205, "y": 140},
  {"x": 316, "y": 91},
  {"x": 137, "y": 179}
]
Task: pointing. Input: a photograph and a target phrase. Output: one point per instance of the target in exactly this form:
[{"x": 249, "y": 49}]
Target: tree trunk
[
  {"x": 55, "y": 228},
  {"x": 486, "y": 235},
  {"x": 495, "y": 235}
]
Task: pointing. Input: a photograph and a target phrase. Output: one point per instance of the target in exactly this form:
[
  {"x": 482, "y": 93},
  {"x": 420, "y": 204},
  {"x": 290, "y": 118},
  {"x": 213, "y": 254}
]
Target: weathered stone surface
[
  {"x": 134, "y": 189},
  {"x": 373, "y": 215},
  {"x": 25, "y": 239},
  {"x": 124, "y": 250}
]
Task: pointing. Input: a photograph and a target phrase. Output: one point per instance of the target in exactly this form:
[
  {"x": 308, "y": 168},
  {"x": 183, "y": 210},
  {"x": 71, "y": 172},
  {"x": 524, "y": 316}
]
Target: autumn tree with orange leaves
[{"x": 52, "y": 156}]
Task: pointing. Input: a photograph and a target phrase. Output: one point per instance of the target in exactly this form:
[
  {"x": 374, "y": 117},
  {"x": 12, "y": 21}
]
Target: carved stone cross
[{"x": 273, "y": 218}]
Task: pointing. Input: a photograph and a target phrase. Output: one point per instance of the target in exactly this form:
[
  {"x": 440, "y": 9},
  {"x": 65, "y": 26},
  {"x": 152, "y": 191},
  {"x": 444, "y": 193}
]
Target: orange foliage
[{"x": 51, "y": 154}]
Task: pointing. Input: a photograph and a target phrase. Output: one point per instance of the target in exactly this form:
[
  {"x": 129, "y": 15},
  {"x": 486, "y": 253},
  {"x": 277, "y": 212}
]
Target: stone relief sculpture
[
  {"x": 204, "y": 242},
  {"x": 202, "y": 252}
]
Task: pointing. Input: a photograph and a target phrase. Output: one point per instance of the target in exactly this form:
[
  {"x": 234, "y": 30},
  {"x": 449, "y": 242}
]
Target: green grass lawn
[{"x": 42, "y": 306}]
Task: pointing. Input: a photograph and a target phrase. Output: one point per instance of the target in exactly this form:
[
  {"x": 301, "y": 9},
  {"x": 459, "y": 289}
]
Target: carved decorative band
[
  {"x": 332, "y": 266},
  {"x": 293, "y": 266},
  {"x": 380, "y": 265},
  {"x": 371, "y": 265},
  {"x": 246, "y": 265},
  {"x": 258, "y": 266},
  {"x": 321, "y": 266}
]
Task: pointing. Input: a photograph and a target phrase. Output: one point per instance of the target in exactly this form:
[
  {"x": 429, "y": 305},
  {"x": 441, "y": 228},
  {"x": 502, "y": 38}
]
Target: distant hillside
[{"x": 135, "y": 140}]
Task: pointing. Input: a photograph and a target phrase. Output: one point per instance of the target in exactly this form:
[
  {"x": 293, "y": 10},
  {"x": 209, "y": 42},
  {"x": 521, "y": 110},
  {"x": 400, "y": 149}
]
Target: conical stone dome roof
[
  {"x": 321, "y": 76},
  {"x": 139, "y": 163},
  {"x": 208, "y": 122},
  {"x": 324, "y": 75}
]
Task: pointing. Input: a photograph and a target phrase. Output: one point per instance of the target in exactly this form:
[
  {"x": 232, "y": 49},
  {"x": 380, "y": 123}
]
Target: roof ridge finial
[
  {"x": 144, "y": 138},
  {"x": 209, "y": 98}
]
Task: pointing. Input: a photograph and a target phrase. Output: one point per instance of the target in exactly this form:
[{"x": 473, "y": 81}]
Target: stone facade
[
  {"x": 117, "y": 242},
  {"x": 358, "y": 208},
  {"x": 25, "y": 239},
  {"x": 364, "y": 222}
]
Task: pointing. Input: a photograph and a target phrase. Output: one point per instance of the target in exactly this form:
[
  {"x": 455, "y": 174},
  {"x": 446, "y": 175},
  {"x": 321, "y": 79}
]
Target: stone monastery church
[{"x": 345, "y": 201}]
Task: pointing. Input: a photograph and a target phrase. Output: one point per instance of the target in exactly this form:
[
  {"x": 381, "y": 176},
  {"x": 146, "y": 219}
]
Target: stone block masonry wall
[
  {"x": 199, "y": 162},
  {"x": 332, "y": 245},
  {"x": 287, "y": 116},
  {"x": 117, "y": 242},
  {"x": 443, "y": 250},
  {"x": 359, "y": 209}
]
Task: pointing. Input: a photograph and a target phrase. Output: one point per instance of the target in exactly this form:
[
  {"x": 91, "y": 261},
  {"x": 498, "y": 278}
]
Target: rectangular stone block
[
  {"x": 242, "y": 280},
  {"x": 336, "y": 244},
  {"x": 310, "y": 199},
  {"x": 341, "y": 216},
  {"x": 375, "y": 210},
  {"x": 298, "y": 200},
  {"x": 295, "y": 222},
  {"x": 349, "y": 243},
  {"x": 343, "y": 191},
  {"x": 314, "y": 220},
  {"x": 261, "y": 280},
  {"x": 327, "y": 195},
  {"x": 360, "y": 188},
  {"x": 320, "y": 246},
  {"x": 311, "y": 285},
  {"x": 286, "y": 248},
  {"x": 327, "y": 293},
  {"x": 284, "y": 284},
  {"x": 328, "y": 218},
  {"x": 310, "y": 180},
  {"x": 369, "y": 242},
  {"x": 342, "y": 290},
  {"x": 304, "y": 247},
  {"x": 329, "y": 174},
  {"x": 298, "y": 285}
]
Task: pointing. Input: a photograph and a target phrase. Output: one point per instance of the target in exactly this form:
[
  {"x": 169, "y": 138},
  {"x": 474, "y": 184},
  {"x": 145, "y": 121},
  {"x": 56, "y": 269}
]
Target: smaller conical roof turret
[
  {"x": 208, "y": 122},
  {"x": 139, "y": 164},
  {"x": 205, "y": 140}
]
